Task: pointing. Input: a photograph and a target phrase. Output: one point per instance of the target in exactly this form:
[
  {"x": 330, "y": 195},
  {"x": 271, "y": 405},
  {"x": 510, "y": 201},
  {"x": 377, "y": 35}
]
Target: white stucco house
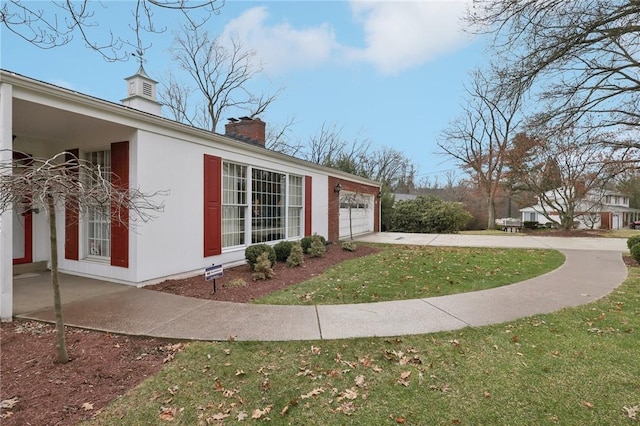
[
  {"x": 600, "y": 209},
  {"x": 225, "y": 192}
]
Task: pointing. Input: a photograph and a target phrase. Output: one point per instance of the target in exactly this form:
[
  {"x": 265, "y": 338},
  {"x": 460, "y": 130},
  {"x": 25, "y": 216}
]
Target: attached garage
[{"x": 356, "y": 214}]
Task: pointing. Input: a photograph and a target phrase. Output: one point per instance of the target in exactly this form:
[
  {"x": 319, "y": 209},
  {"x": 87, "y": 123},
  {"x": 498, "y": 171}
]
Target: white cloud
[
  {"x": 401, "y": 35},
  {"x": 398, "y": 35},
  {"x": 282, "y": 47}
]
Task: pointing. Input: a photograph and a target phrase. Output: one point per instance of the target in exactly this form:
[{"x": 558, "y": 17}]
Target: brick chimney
[{"x": 246, "y": 128}]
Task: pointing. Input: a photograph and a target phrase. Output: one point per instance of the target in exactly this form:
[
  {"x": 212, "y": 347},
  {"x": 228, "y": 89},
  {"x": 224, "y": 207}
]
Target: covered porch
[{"x": 37, "y": 122}]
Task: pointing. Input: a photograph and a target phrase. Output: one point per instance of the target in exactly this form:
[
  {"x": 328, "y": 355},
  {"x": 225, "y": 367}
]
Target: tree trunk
[
  {"x": 61, "y": 344},
  {"x": 491, "y": 213}
]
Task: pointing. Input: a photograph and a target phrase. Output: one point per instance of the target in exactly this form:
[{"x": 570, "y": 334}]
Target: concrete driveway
[{"x": 593, "y": 268}]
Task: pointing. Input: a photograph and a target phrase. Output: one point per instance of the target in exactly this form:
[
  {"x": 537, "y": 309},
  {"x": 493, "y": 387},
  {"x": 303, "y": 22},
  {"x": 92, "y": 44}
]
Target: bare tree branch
[
  {"x": 580, "y": 57},
  {"x": 221, "y": 76},
  {"x": 61, "y": 21}
]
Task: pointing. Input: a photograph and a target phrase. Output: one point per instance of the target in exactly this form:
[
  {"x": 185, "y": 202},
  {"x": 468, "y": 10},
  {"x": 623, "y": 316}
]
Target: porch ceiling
[{"x": 45, "y": 123}]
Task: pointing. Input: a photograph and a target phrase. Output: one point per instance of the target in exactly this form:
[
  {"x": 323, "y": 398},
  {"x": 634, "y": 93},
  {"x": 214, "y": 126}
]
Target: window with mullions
[
  {"x": 268, "y": 203},
  {"x": 234, "y": 204},
  {"x": 98, "y": 222},
  {"x": 295, "y": 206}
]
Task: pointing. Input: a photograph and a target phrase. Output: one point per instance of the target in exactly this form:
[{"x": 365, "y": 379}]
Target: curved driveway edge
[{"x": 585, "y": 276}]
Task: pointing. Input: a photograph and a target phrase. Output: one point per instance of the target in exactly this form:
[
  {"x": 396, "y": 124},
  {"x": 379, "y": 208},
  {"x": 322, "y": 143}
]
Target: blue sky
[{"x": 387, "y": 71}]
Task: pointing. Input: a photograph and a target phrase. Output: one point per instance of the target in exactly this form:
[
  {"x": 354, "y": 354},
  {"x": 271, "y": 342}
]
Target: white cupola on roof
[{"x": 141, "y": 90}]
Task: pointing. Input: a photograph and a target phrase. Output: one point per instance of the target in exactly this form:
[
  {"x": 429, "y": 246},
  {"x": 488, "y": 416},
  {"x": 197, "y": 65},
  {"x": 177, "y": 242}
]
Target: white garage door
[{"x": 356, "y": 214}]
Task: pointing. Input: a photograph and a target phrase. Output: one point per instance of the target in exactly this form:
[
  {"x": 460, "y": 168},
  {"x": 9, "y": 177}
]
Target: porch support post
[{"x": 6, "y": 218}]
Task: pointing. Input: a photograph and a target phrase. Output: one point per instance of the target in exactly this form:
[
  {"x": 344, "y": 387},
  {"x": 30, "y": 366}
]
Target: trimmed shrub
[
  {"x": 530, "y": 224},
  {"x": 632, "y": 241},
  {"x": 262, "y": 268},
  {"x": 238, "y": 282},
  {"x": 307, "y": 241},
  {"x": 283, "y": 250},
  {"x": 349, "y": 246},
  {"x": 317, "y": 248},
  {"x": 252, "y": 252},
  {"x": 296, "y": 258},
  {"x": 635, "y": 252}
]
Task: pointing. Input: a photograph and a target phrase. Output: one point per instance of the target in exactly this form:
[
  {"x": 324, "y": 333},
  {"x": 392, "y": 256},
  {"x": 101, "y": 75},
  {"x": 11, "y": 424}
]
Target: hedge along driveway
[{"x": 412, "y": 272}]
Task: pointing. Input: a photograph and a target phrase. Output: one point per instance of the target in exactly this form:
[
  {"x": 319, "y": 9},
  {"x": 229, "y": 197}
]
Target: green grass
[
  {"x": 578, "y": 366},
  {"x": 411, "y": 272}
]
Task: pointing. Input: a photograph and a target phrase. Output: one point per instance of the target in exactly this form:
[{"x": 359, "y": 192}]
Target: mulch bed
[{"x": 284, "y": 277}]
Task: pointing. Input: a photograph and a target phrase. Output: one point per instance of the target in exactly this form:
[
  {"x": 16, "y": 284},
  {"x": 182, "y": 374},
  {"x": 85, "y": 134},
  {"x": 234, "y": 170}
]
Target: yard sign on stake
[{"x": 211, "y": 273}]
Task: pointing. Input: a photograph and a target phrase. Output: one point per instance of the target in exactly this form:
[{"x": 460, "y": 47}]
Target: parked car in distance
[{"x": 635, "y": 224}]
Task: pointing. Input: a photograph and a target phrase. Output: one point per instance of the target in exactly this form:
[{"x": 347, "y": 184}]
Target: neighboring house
[
  {"x": 598, "y": 210},
  {"x": 226, "y": 192},
  {"x": 404, "y": 197}
]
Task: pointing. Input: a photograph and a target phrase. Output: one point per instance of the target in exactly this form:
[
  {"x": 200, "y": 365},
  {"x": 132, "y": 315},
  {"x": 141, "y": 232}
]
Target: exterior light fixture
[{"x": 338, "y": 187}]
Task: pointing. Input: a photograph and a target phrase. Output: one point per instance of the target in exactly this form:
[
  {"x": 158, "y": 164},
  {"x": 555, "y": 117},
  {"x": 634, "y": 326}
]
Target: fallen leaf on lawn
[
  {"x": 306, "y": 372},
  {"x": 9, "y": 403},
  {"x": 377, "y": 369},
  {"x": 239, "y": 372},
  {"x": 87, "y": 406},
  {"x": 588, "y": 404},
  {"x": 454, "y": 342},
  {"x": 360, "y": 381},
  {"x": 487, "y": 394},
  {"x": 258, "y": 413},
  {"x": 292, "y": 403},
  {"x": 242, "y": 415},
  {"x": 315, "y": 350},
  {"x": 173, "y": 389},
  {"x": 404, "y": 378},
  {"x": 346, "y": 408},
  {"x": 168, "y": 413},
  {"x": 315, "y": 392},
  {"x": 218, "y": 417},
  {"x": 348, "y": 394},
  {"x": 632, "y": 412},
  {"x": 228, "y": 393},
  {"x": 400, "y": 420}
]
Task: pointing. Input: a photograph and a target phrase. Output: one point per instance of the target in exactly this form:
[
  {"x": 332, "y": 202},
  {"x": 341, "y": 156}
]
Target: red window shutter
[
  {"x": 71, "y": 225},
  {"x": 212, "y": 205},
  {"x": 120, "y": 214},
  {"x": 307, "y": 206}
]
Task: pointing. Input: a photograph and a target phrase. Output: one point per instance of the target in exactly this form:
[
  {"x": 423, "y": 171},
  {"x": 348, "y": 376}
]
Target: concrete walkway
[{"x": 593, "y": 268}]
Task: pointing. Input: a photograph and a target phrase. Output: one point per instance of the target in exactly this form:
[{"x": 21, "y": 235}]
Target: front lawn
[
  {"x": 412, "y": 272},
  {"x": 574, "y": 367}
]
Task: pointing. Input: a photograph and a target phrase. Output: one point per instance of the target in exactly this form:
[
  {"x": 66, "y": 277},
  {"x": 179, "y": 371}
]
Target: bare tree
[
  {"x": 59, "y": 22},
  {"x": 277, "y": 138},
  {"x": 77, "y": 185},
  {"x": 328, "y": 147},
  {"x": 581, "y": 57},
  {"x": 478, "y": 140},
  {"x": 221, "y": 75},
  {"x": 568, "y": 172}
]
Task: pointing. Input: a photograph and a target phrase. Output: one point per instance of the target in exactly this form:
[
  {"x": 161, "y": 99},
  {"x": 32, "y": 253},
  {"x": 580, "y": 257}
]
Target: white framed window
[
  {"x": 295, "y": 207},
  {"x": 533, "y": 217},
  {"x": 268, "y": 203},
  {"x": 234, "y": 204},
  {"x": 98, "y": 219}
]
